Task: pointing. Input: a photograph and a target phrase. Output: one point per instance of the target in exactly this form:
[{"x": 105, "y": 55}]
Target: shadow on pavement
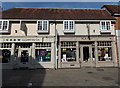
[{"x": 23, "y": 77}]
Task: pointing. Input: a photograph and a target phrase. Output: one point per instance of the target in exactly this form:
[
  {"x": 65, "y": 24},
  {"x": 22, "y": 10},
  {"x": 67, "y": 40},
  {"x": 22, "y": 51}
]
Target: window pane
[
  {"x": 43, "y": 55},
  {"x": 44, "y": 25},
  {"x": 71, "y": 25},
  {"x": 105, "y": 54},
  {"x": 39, "y": 25},
  {"x": 0, "y": 24},
  {"x": 103, "y": 25},
  {"x": 66, "y": 25},
  {"x": 108, "y": 25},
  {"x": 5, "y": 23}
]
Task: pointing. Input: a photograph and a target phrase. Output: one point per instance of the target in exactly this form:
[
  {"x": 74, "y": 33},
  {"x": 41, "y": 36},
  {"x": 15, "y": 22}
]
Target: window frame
[
  {"x": 43, "y": 31},
  {"x": 2, "y": 26},
  {"x": 105, "y": 30},
  {"x": 69, "y": 30}
]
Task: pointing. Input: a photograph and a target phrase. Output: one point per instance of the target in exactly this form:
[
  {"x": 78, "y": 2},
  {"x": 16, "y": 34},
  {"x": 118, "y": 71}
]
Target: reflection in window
[
  {"x": 68, "y": 54},
  {"x": 43, "y": 55},
  {"x": 6, "y": 54},
  {"x": 105, "y": 54}
]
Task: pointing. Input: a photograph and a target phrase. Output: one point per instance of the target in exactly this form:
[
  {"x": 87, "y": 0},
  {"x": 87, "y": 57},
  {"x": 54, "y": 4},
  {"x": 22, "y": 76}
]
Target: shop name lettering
[
  {"x": 22, "y": 39},
  {"x": 30, "y": 39}
]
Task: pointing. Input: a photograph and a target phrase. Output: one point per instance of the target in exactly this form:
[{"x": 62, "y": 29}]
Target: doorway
[
  {"x": 86, "y": 55},
  {"x": 24, "y": 56}
]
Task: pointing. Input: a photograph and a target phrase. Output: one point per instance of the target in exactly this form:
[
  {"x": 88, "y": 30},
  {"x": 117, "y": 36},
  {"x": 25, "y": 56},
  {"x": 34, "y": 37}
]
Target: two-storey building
[
  {"x": 114, "y": 10},
  {"x": 57, "y": 38}
]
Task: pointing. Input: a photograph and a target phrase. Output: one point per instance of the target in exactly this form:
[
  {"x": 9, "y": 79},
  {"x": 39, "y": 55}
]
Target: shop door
[
  {"x": 24, "y": 55},
  {"x": 86, "y": 56}
]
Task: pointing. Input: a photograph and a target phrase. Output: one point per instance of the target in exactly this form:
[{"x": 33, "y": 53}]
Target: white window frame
[
  {"x": 105, "y": 30},
  {"x": 1, "y": 29},
  {"x": 69, "y": 30},
  {"x": 43, "y": 31}
]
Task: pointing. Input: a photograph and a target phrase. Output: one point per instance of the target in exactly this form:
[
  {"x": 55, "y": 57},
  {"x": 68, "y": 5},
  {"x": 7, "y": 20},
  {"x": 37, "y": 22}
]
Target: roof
[
  {"x": 113, "y": 9},
  {"x": 56, "y": 14}
]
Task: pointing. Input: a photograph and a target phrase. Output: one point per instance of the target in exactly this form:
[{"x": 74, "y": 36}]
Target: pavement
[{"x": 60, "y": 77}]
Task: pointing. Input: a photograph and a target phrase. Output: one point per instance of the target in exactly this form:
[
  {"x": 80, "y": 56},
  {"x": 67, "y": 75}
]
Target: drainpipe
[
  {"x": 56, "y": 52},
  {"x": 88, "y": 27}
]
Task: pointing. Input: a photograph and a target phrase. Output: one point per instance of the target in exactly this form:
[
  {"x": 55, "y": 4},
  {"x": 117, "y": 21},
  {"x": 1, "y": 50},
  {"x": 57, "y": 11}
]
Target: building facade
[
  {"x": 57, "y": 38},
  {"x": 114, "y": 10}
]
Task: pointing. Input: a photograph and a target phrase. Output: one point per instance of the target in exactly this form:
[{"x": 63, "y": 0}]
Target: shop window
[
  {"x": 16, "y": 54},
  {"x": 68, "y": 54},
  {"x": 93, "y": 52},
  {"x": 104, "y": 43},
  {"x": 105, "y": 54},
  {"x": 43, "y": 55},
  {"x": 6, "y": 54},
  {"x": 42, "y": 45},
  {"x": 63, "y": 44},
  {"x": 5, "y": 45},
  {"x": 23, "y": 45}
]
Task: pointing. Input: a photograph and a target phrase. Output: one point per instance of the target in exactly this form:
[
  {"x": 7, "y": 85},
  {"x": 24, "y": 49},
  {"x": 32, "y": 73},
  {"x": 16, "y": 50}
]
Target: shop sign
[{"x": 21, "y": 39}]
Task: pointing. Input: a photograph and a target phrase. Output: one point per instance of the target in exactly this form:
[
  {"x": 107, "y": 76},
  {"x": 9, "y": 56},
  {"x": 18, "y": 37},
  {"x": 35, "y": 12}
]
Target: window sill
[
  {"x": 105, "y": 61},
  {"x": 42, "y": 31},
  {"x": 49, "y": 62},
  {"x": 67, "y": 31},
  {"x": 69, "y": 62},
  {"x": 4, "y": 31},
  {"x": 105, "y": 31}
]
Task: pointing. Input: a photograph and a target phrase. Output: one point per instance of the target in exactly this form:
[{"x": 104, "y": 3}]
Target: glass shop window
[
  {"x": 16, "y": 54},
  {"x": 105, "y": 54},
  {"x": 43, "y": 55},
  {"x": 6, "y": 54},
  {"x": 5, "y": 45},
  {"x": 68, "y": 54}
]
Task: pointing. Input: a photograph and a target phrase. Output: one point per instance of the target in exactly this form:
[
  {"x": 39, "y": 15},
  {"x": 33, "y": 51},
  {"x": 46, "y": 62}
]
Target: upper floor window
[
  {"x": 4, "y": 25},
  {"x": 105, "y": 26},
  {"x": 42, "y": 26},
  {"x": 68, "y": 26}
]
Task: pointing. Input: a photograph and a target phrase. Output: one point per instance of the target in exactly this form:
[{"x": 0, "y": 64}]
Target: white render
[
  {"x": 118, "y": 42},
  {"x": 31, "y": 27}
]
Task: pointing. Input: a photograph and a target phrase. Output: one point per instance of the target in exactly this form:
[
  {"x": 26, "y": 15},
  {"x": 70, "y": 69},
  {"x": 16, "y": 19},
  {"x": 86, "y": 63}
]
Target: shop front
[
  {"x": 76, "y": 54},
  {"x": 27, "y": 54}
]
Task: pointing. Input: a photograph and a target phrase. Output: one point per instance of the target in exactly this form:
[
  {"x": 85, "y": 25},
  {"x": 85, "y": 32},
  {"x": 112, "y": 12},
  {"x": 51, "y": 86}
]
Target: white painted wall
[
  {"x": 31, "y": 29},
  {"x": 80, "y": 29},
  {"x": 118, "y": 41}
]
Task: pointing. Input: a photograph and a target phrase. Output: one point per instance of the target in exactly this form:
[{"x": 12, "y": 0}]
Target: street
[{"x": 61, "y": 77}]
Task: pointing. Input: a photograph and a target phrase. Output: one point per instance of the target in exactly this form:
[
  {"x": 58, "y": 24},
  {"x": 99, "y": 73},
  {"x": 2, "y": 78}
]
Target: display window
[
  {"x": 105, "y": 54},
  {"x": 43, "y": 55},
  {"x": 6, "y": 55},
  {"x": 68, "y": 54}
]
